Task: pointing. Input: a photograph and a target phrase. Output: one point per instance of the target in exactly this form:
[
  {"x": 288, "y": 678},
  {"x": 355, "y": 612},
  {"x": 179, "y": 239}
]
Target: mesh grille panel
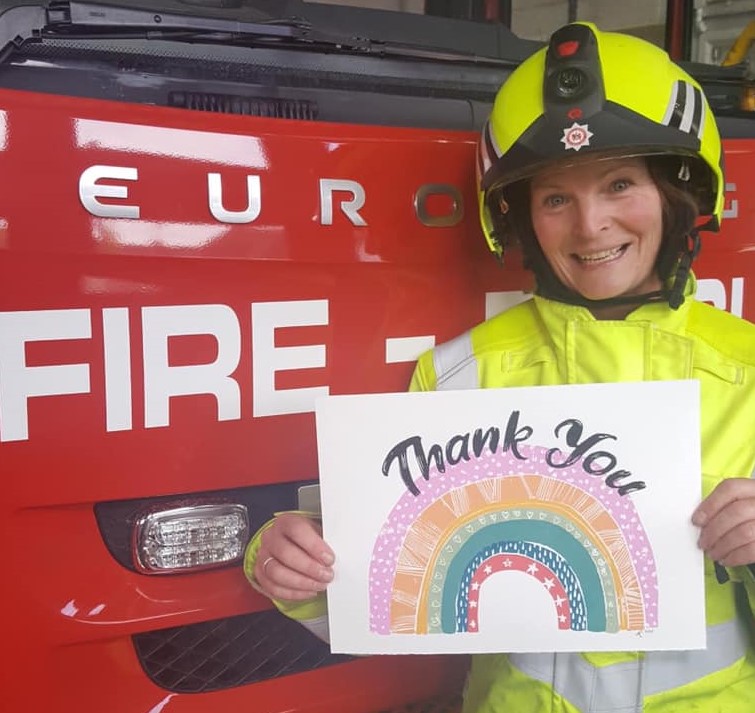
[
  {"x": 230, "y": 652},
  {"x": 215, "y": 655}
]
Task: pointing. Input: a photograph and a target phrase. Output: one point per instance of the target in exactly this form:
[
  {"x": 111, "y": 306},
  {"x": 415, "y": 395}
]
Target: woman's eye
[
  {"x": 620, "y": 184},
  {"x": 554, "y": 201}
]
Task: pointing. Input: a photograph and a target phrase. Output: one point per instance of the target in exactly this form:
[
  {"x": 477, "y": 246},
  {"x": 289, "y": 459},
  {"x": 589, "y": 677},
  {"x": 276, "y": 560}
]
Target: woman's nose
[{"x": 593, "y": 217}]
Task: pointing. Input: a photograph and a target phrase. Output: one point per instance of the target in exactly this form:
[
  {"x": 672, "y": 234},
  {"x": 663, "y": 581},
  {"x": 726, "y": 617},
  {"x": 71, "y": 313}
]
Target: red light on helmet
[{"x": 567, "y": 49}]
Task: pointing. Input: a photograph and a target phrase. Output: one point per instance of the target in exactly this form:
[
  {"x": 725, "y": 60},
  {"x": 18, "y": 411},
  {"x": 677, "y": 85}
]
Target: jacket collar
[{"x": 659, "y": 313}]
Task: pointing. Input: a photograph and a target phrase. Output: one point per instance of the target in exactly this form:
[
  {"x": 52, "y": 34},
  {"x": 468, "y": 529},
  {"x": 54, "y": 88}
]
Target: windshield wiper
[{"x": 91, "y": 21}]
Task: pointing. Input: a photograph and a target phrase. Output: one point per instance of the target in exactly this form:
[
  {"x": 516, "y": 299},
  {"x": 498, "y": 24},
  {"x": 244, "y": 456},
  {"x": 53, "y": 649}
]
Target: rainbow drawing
[{"x": 482, "y": 518}]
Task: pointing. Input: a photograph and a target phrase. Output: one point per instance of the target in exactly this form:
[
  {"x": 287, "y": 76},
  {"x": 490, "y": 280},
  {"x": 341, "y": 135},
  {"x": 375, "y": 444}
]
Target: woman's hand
[
  {"x": 293, "y": 561},
  {"x": 727, "y": 522}
]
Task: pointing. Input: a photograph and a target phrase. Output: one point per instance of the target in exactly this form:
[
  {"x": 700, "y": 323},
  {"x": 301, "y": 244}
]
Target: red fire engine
[{"x": 209, "y": 219}]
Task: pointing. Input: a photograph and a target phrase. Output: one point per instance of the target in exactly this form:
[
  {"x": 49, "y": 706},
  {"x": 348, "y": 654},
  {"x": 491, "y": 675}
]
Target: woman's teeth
[{"x": 602, "y": 256}]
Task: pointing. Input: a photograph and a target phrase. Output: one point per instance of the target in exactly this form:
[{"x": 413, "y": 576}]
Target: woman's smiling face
[{"x": 599, "y": 224}]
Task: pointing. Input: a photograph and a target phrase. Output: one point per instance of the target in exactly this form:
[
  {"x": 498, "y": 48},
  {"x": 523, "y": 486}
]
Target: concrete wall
[{"x": 536, "y": 19}]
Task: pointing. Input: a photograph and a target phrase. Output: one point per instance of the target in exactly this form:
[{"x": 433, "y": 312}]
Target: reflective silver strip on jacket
[
  {"x": 455, "y": 364},
  {"x": 319, "y": 626},
  {"x": 616, "y": 687},
  {"x": 623, "y": 686}
]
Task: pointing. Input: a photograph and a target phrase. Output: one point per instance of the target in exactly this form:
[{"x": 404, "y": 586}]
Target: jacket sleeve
[
  {"x": 748, "y": 579},
  {"x": 423, "y": 378},
  {"x": 311, "y": 613},
  {"x": 745, "y": 576}
]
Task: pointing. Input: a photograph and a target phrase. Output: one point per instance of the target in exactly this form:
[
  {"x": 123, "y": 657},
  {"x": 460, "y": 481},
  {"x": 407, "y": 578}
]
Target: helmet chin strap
[
  {"x": 549, "y": 286},
  {"x": 574, "y": 298},
  {"x": 683, "y": 267}
]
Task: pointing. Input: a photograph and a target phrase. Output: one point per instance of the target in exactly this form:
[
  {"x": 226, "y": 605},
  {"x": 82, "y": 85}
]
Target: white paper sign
[{"x": 552, "y": 518}]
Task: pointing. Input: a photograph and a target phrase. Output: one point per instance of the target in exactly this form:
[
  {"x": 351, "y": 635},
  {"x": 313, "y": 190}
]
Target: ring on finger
[{"x": 267, "y": 561}]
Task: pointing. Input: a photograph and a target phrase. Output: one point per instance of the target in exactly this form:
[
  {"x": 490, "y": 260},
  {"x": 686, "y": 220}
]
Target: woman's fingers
[
  {"x": 293, "y": 561},
  {"x": 289, "y": 566},
  {"x": 737, "y": 547},
  {"x": 727, "y": 520},
  {"x": 280, "y": 582},
  {"x": 305, "y": 534}
]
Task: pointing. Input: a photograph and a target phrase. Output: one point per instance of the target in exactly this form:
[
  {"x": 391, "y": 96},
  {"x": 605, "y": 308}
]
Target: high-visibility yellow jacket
[{"x": 541, "y": 342}]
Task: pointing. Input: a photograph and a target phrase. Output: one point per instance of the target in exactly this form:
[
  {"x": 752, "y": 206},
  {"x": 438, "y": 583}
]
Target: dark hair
[
  {"x": 679, "y": 212},
  {"x": 679, "y": 209}
]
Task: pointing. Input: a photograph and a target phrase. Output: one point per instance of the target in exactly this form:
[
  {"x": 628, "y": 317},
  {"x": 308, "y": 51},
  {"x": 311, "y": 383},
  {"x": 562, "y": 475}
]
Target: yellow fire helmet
[{"x": 604, "y": 93}]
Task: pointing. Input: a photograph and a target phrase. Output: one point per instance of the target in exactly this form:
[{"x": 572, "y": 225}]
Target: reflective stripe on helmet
[
  {"x": 686, "y": 109},
  {"x": 456, "y": 365},
  {"x": 619, "y": 687}
]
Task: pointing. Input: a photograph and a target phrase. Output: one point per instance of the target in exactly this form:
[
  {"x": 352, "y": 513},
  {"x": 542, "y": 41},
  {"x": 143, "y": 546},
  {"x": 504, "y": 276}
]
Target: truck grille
[
  {"x": 213, "y": 655},
  {"x": 277, "y": 108}
]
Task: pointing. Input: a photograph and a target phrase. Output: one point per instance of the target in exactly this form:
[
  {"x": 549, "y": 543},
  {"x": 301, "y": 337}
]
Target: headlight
[{"x": 190, "y": 538}]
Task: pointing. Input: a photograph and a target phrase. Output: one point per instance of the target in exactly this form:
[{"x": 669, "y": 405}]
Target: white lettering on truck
[
  {"x": 268, "y": 358},
  {"x": 162, "y": 381},
  {"x": 714, "y": 291},
  {"x": 19, "y": 382},
  {"x": 215, "y": 195},
  {"x": 117, "y": 354},
  {"x": 350, "y": 208},
  {"x": 90, "y": 191},
  {"x": 733, "y": 210}
]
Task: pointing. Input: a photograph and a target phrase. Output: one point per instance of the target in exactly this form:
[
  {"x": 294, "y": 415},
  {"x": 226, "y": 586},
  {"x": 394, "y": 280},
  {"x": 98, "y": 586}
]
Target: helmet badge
[{"x": 576, "y": 136}]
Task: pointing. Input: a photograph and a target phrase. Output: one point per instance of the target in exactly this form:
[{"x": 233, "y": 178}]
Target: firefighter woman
[{"x": 601, "y": 159}]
